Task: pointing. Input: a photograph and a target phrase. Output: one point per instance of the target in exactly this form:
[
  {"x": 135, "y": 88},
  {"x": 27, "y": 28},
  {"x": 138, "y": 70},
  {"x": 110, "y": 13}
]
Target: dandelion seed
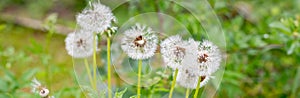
[
  {"x": 139, "y": 42},
  {"x": 79, "y": 44},
  {"x": 188, "y": 79},
  {"x": 97, "y": 18},
  {"x": 173, "y": 50}
]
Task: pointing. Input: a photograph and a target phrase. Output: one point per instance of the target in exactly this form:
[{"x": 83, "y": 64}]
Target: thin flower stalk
[
  {"x": 89, "y": 73},
  {"x": 187, "y": 93},
  {"x": 109, "y": 69},
  {"x": 198, "y": 87},
  {"x": 140, "y": 63},
  {"x": 173, "y": 83},
  {"x": 95, "y": 61}
]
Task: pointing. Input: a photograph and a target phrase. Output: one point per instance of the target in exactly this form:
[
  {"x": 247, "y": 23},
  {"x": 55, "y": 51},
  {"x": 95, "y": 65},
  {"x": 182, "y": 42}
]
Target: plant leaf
[
  {"x": 120, "y": 94},
  {"x": 296, "y": 82},
  {"x": 279, "y": 26}
]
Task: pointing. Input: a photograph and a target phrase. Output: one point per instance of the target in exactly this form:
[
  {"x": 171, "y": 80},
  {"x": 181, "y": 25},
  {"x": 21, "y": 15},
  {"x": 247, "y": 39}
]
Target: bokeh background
[{"x": 262, "y": 45}]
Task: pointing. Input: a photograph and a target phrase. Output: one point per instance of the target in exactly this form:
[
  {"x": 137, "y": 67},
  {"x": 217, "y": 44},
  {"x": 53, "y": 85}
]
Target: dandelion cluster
[
  {"x": 39, "y": 89},
  {"x": 93, "y": 20},
  {"x": 193, "y": 59},
  {"x": 194, "y": 62}
]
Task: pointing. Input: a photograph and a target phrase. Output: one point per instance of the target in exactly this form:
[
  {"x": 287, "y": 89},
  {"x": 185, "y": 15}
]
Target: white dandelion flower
[
  {"x": 97, "y": 18},
  {"x": 139, "y": 42},
  {"x": 80, "y": 44},
  {"x": 173, "y": 51},
  {"x": 186, "y": 78},
  {"x": 203, "y": 58}
]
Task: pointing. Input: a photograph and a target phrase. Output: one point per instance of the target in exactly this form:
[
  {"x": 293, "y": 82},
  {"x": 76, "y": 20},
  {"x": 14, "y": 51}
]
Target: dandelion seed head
[
  {"x": 186, "y": 78},
  {"x": 210, "y": 55},
  {"x": 139, "y": 42},
  {"x": 97, "y": 18},
  {"x": 173, "y": 51},
  {"x": 79, "y": 44},
  {"x": 203, "y": 58}
]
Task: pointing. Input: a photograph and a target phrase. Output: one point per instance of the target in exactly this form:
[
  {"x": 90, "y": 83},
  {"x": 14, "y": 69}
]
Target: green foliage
[{"x": 120, "y": 94}]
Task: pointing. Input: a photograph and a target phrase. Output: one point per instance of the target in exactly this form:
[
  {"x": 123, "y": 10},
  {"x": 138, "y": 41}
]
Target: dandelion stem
[
  {"x": 197, "y": 88},
  {"x": 139, "y": 78},
  {"x": 173, "y": 83},
  {"x": 187, "y": 93},
  {"x": 89, "y": 73},
  {"x": 94, "y": 61},
  {"x": 48, "y": 66},
  {"x": 109, "y": 69}
]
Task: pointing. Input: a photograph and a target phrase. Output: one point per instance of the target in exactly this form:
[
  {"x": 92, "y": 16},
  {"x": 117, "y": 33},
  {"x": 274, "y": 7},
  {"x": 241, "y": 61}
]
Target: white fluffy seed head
[
  {"x": 214, "y": 57},
  {"x": 80, "y": 44},
  {"x": 139, "y": 42},
  {"x": 186, "y": 78},
  {"x": 173, "y": 50},
  {"x": 97, "y": 18},
  {"x": 203, "y": 58}
]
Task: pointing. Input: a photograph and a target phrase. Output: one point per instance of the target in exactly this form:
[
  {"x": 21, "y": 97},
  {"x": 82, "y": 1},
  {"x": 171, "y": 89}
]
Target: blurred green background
[{"x": 262, "y": 38}]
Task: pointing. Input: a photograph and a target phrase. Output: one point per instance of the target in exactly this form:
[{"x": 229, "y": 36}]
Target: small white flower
[
  {"x": 186, "y": 78},
  {"x": 39, "y": 89},
  {"x": 80, "y": 44},
  {"x": 173, "y": 50},
  {"x": 44, "y": 92},
  {"x": 139, "y": 42},
  {"x": 98, "y": 18}
]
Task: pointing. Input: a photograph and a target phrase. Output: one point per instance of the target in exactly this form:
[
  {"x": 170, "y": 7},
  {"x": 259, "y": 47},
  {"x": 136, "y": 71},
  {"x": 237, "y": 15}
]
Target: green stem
[
  {"x": 89, "y": 73},
  {"x": 187, "y": 93},
  {"x": 48, "y": 66},
  {"x": 94, "y": 61},
  {"x": 109, "y": 69},
  {"x": 197, "y": 88},
  {"x": 139, "y": 78},
  {"x": 173, "y": 83}
]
